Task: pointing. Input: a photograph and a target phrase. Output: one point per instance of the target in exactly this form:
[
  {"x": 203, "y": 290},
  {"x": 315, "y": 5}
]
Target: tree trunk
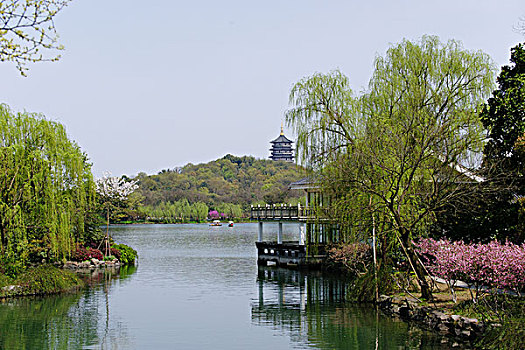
[
  {"x": 107, "y": 235},
  {"x": 415, "y": 263}
]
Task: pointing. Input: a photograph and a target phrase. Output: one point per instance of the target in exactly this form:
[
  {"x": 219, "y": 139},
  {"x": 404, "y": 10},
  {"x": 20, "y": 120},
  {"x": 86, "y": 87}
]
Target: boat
[
  {"x": 230, "y": 223},
  {"x": 216, "y": 223}
]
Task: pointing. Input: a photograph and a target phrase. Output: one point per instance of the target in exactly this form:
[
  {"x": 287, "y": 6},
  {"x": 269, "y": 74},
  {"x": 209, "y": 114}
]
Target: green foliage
[
  {"x": 228, "y": 185},
  {"x": 504, "y": 113},
  {"x": 503, "y": 158},
  {"x": 11, "y": 265},
  {"x": 5, "y": 280},
  {"x": 128, "y": 255},
  {"x": 46, "y": 189},
  {"x": 496, "y": 214},
  {"x": 27, "y": 29},
  {"x": 178, "y": 211}
]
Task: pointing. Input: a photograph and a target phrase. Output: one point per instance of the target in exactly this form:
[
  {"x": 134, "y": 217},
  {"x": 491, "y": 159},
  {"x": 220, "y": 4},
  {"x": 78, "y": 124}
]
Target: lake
[{"x": 199, "y": 287}]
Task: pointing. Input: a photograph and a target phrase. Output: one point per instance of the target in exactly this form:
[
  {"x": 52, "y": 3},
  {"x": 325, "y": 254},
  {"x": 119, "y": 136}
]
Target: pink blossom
[{"x": 493, "y": 264}]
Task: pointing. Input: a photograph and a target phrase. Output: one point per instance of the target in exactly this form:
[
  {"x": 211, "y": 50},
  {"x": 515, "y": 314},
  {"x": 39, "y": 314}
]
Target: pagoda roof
[{"x": 281, "y": 139}]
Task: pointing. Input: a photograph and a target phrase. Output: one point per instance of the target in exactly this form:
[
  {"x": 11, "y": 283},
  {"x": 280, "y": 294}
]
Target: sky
[{"x": 144, "y": 86}]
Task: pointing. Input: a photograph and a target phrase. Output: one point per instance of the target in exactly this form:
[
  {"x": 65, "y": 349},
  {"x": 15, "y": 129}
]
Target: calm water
[{"x": 198, "y": 287}]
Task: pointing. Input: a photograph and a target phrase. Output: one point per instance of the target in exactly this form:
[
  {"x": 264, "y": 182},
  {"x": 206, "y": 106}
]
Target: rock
[
  {"x": 95, "y": 261},
  {"x": 465, "y": 333},
  {"x": 70, "y": 265},
  {"x": 11, "y": 288},
  {"x": 457, "y": 327},
  {"x": 470, "y": 320},
  {"x": 443, "y": 329},
  {"x": 384, "y": 298},
  {"x": 404, "y": 311},
  {"x": 442, "y": 317}
]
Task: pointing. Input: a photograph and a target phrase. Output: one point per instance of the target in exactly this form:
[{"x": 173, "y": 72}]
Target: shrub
[
  {"x": 115, "y": 252},
  {"x": 493, "y": 264},
  {"x": 38, "y": 250},
  {"x": 12, "y": 265},
  {"x": 47, "y": 279},
  {"x": 95, "y": 253},
  {"x": 356, "y": 257},
  {"x": 127, "y": 254},
  {"x": 4, "y": 280},
  {"x": 82, "y": 253}
]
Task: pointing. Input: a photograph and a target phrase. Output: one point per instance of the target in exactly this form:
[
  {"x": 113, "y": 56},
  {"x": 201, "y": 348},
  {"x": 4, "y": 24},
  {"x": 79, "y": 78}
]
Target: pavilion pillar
[
  {"x": 260, "y": 235},
  {"x": 261, "y": 292},
  {"x": 280, "y": 234},
  {"x": 306, "y": 204}
]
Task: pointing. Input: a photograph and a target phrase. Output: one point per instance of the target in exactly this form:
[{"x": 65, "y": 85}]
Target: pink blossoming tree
[{"x": 493, "y": 266}]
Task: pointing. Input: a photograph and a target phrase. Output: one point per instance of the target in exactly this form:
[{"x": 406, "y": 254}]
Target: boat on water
[
  {"x": 216, "y": 223},
  {"x": 230, "y": 223}
]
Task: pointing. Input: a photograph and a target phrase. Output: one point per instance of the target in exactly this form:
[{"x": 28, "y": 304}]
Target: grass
[{"x": 40, "y": 280}]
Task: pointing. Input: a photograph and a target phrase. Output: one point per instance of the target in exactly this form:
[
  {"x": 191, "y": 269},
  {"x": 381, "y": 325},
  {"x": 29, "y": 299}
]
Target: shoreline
[
  {"x": 457, "y": 330},
  {"x": 46, "y": 280},
  {"x": 40, "y": 280}
]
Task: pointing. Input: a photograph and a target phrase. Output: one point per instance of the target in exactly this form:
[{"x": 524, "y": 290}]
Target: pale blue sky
[{"x": 150, "y": 85}]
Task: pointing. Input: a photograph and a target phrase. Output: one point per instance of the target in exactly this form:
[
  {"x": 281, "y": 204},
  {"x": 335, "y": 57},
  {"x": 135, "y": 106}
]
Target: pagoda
[{"x": 282, "y": 148}]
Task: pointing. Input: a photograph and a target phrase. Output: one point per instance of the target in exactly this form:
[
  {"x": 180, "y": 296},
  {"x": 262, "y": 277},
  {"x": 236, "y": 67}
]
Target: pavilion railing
[{"x": 287, "y": 212}]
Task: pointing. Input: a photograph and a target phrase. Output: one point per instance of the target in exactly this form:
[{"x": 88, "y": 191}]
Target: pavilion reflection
[{"x": 313, "y": 309}]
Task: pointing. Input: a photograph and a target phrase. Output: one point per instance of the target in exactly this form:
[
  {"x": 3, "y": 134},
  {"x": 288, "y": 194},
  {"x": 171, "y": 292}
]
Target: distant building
[{"x": 282, "y": 148}]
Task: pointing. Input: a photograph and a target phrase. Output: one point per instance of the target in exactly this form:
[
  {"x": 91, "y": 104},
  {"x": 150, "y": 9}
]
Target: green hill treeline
[{"x": 228, "y": 185}]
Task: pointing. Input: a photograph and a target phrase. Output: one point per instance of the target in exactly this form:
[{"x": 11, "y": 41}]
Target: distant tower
[{"x": 282, "y": 148}]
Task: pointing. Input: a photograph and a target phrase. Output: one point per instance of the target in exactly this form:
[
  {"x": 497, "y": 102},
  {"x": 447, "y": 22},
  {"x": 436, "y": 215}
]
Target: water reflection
[
  {"x": 198, "y": 288},
  {"x": 66, "y": 321},
  {"x": 311, "y": 308}
]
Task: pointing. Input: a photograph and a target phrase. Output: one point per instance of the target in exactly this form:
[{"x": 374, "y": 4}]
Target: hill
[{"x": 231, "y": 180}]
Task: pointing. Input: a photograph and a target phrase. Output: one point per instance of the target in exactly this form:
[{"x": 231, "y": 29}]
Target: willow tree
[
  {"x": 392, "y": 156},
  {"x": 46, "y": 188},
  {"x": 27, "y": 31}
]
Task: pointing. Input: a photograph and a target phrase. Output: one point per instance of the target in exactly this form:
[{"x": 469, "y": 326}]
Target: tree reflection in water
[
  {"x": 65, "y": 321},
  {"x": 312, "y": 309}
]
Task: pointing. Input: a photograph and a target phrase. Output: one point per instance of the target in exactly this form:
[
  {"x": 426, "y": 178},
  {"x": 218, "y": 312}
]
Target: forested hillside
[{"x": 219, "y": 184}]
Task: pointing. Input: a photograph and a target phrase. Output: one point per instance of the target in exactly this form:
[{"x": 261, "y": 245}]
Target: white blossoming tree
[{"x": 112, "y": 190}]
